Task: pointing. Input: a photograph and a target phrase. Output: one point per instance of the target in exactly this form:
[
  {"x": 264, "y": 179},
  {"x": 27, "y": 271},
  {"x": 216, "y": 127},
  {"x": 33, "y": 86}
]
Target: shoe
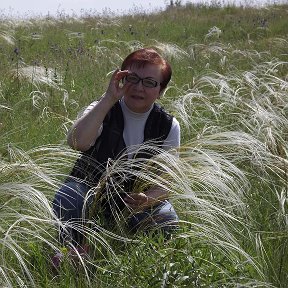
[
  {"x": 56, "y": 260},
  {"x": 73, "y": 254}
]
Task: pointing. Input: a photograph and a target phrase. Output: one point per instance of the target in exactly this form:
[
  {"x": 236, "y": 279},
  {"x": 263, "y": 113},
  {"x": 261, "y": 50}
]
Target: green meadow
[{"x": 228, "y": 182}]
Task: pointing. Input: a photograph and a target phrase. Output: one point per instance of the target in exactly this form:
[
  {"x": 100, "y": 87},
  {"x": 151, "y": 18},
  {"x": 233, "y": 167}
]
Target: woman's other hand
[{"x": 138, "y": 201}]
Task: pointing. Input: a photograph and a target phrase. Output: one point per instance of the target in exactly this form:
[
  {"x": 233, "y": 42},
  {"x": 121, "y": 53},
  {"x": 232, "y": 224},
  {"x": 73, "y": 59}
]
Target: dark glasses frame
[{"x": 147, "y": 82}]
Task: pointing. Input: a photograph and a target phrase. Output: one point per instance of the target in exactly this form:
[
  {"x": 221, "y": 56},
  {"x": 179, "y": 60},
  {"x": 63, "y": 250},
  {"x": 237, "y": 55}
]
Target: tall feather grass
[{"x": 206, "y": 184}]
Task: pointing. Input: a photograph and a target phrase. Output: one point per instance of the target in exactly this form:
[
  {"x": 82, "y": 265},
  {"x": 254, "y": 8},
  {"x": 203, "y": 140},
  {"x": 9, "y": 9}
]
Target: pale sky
[
  {"x": 22, "y": 7},
  {"x": 43, "y": 7}
]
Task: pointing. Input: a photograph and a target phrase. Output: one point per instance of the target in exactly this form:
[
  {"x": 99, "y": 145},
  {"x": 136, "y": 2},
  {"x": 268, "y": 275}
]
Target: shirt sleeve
[
  {"x": 87, "y": 110},
  {"x": 173, "y": 138}
]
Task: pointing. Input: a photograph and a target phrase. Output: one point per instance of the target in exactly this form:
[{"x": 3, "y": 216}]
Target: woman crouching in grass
[{"x": 123, "y": 119}]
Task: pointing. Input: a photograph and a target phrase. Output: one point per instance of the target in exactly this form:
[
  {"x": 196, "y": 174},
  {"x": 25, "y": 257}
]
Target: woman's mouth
[{"x": 137, "y": 97}]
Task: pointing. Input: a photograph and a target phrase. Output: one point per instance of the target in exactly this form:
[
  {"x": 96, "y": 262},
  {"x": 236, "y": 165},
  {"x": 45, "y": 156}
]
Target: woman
[{"x": 125, "y": 117}]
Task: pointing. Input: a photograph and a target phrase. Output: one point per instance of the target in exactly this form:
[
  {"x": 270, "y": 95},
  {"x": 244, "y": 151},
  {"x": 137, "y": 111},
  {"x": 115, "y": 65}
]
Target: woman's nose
[{"x": 139, "y": 85}]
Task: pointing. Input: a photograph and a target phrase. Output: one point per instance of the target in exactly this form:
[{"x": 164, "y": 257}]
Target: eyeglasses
[{"x": 147, "y": 82}]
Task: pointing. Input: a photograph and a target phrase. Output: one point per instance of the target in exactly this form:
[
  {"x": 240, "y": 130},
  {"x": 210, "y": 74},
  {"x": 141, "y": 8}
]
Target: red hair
[{"x": 146, "y": 56}]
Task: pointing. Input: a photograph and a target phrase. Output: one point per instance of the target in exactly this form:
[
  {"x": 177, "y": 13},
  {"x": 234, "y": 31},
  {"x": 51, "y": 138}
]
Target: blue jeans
[{"x": 69, "y": 202}]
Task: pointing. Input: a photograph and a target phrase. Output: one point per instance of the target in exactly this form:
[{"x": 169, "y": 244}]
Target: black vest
[{"x": 110, "y": 144}]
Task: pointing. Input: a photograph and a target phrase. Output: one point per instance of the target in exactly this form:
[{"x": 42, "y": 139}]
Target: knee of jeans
[
  {"x": 136, "y": 219},
  {"x": 69, "y": 197},
  {"x": 166, "y": 209},
  {"x": 162, "y": 216}
]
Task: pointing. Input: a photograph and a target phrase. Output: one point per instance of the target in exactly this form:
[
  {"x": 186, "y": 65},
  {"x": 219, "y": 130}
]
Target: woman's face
[{"x": 138, "y": 97}]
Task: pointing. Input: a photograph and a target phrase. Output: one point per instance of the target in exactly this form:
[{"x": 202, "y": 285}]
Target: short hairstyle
[{"x": 145, "y": 56}]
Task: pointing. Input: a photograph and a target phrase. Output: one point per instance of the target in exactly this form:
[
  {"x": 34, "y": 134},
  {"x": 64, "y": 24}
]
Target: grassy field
[{"x": 229, "y": 91}]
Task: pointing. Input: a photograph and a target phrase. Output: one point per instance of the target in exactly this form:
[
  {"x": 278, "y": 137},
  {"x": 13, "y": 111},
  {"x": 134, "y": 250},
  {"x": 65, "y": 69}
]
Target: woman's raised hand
[{"x": 116, "y": 89}]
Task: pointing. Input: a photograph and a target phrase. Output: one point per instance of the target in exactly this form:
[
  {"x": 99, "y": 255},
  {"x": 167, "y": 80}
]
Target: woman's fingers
[
  {"x": 115, "y": 88},
  {"x": 120, "y": 74},
  {"x": 136, "y": 200}
]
